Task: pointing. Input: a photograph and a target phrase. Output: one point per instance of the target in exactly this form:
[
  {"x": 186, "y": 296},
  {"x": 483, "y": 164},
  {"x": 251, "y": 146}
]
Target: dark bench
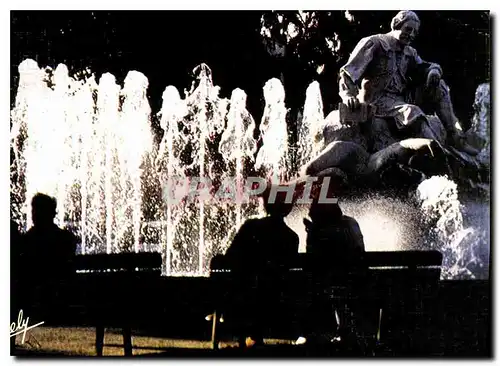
[
  {"x": 106, "y": 290},
  {"x": 114, "y": 290},
  {"x": 397, "y": 286},
  {"x": 115, "y": 283}
]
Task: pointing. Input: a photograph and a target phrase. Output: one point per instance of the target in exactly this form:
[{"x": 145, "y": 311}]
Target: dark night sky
[{"x": 165, "y": 46}]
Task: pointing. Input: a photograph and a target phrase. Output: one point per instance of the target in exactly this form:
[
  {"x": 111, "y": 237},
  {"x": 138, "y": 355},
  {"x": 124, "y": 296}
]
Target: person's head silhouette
[
  {"x": 322, "y": 211},
  {"x": 276, "y": 205},
  {"x": 43, "y": 209}
]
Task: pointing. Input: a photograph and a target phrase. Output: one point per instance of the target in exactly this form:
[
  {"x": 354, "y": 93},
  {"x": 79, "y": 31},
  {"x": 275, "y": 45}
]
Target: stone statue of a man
[{"x": 385, "y": 71}]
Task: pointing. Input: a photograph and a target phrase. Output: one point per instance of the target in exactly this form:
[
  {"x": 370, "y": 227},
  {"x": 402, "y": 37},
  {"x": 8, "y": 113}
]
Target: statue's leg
[
  {"x": 444, "y": 108},
  {"x": 438, "y": 100},
  {"x": 407, "y": 158},
  {"x": 430, "y": 127},
  {"x": 346, "y": 155},
  {"x": 381, "y": 134}
]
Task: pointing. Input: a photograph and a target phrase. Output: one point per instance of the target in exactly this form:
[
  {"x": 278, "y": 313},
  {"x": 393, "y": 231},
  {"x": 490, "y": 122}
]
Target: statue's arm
[
  {"x": 352, "y": 72},
  {"x": 422, "y": 68}
]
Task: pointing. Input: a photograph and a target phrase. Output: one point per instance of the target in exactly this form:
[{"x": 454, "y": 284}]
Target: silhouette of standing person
[
  {"x": 261, "y": 251},
  {"x": 49, "y": 250}
]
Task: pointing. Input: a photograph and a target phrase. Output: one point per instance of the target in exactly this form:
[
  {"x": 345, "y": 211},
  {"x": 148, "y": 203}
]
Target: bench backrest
[
  {"x": 372, "y": 260},
  {"x": 150, "y": 262},
  {"x": 410, "y": 259}
]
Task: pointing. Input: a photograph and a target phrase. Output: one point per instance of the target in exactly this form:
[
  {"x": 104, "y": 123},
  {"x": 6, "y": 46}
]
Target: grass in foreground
[{"x": 81, "y": 342}]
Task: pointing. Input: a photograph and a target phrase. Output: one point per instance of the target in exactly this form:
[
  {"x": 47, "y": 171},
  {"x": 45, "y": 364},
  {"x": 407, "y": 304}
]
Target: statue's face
[{"x": 408, "y": 32}]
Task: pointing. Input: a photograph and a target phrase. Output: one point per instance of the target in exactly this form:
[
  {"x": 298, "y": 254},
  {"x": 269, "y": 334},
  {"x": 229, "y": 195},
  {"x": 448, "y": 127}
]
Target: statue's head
[{"x": 405, "y": 26}]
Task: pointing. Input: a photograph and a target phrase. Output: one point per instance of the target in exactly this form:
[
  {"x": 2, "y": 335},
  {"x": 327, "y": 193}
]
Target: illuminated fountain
[
  {"x": 198, "y": 145},
  {"x": 90, "y": 145},
  {"x": 87, "y": 155}
]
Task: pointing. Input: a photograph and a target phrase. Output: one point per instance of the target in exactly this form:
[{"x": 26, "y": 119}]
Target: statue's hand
[
  {"x": 433, "y": 78},
  {"x": 353, "y": 103}
]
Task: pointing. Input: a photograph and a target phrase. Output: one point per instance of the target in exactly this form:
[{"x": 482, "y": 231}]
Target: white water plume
[
  {"x": 236, "y": 146},
  {"x": 273, "y": 157},
  {"x": 460, "y": 244},
  {"x": 310, "y": 126}
]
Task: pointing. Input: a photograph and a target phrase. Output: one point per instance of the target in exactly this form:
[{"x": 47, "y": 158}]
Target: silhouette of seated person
[
  {"x": 49, "y": 250},
  {"x": 260, "y": 253},
  {"x": 331, "y": 235},
  {"x": 336, "y": 248}
]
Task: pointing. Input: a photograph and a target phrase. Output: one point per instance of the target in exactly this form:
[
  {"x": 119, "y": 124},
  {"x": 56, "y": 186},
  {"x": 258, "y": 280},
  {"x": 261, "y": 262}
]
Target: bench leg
[
  {"x": 12, "y": 345},
  {"x": 215, "y": 341},
  {"x": 99, "y": 339},
  {"x": 127, "y": 341},
  {"x": 379, "y": 326}
]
